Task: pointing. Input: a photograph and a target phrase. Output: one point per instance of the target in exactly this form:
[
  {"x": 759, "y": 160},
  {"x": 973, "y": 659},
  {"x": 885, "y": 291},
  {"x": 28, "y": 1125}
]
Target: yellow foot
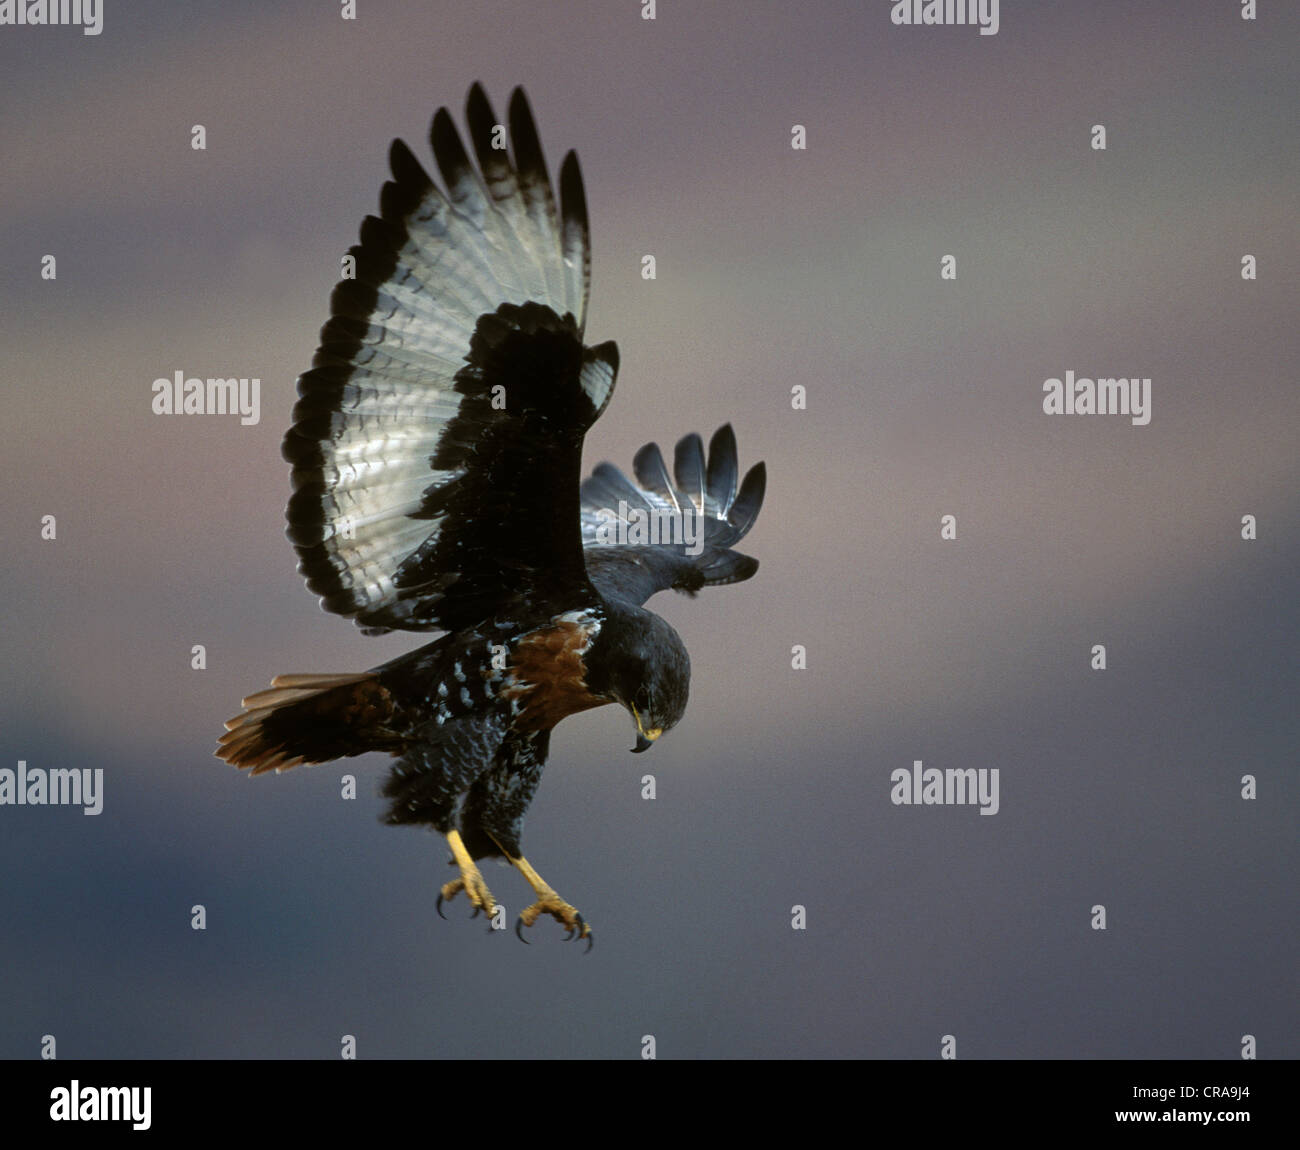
[
  {"x": 548, "y": 902},
  {"x": 563, "y": 913},
  {"x": 475, "y": 888},
  {"x": 470, "y": 881}
]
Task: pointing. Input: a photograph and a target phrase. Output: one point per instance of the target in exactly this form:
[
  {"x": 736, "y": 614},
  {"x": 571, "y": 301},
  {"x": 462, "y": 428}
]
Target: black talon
[
  {"x": 591, "y": 936},
  {"x": 438, "y": 908},
  {"x": 519, "y": 930}
]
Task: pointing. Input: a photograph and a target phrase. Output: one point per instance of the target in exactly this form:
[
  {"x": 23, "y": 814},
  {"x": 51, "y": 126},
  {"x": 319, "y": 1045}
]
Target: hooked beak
[{"x": 644, "y": 738}]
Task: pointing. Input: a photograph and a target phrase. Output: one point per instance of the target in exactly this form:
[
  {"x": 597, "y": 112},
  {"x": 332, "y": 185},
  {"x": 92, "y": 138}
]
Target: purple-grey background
[{"x": 775, "y": 267}]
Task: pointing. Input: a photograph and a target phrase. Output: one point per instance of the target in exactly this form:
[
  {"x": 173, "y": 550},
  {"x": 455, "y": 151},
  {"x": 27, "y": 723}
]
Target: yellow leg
[
  {"x": 470, "y": 881},
  {"x": 548, "y": 902}
]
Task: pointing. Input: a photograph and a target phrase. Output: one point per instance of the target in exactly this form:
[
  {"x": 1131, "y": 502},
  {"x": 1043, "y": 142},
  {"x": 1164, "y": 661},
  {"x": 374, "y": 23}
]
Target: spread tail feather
[{"x": 310, "y": 719}]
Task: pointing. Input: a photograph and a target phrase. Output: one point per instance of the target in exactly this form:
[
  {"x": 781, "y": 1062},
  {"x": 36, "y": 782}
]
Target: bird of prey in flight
[{"x": 436, "y": 449}]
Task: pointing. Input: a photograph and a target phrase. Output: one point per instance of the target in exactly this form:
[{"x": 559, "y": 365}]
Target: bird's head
[{"x": 639, "y": 661}]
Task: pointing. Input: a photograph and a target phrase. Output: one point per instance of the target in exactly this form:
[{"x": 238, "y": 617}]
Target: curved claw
[
  {"x": 519, "y": 931},
  {"x": 438, "y": 907}
]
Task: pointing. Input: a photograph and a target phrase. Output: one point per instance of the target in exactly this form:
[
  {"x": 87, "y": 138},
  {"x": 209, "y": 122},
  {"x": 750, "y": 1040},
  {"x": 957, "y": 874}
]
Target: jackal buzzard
[{"x": 436, "y": 450}]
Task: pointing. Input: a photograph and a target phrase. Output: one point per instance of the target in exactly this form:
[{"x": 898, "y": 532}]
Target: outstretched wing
[
  {"x": 655, "y": 534},
  {"x": 436, "y": 444}
]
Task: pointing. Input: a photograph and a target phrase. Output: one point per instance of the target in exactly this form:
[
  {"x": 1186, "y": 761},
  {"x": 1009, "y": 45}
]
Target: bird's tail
[{"x": 311, "y": 719}]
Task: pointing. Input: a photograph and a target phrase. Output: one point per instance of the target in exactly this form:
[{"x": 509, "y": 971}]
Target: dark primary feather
[
  {"x": 652, "y": 473},
  {"x": 703, "y": 492}
]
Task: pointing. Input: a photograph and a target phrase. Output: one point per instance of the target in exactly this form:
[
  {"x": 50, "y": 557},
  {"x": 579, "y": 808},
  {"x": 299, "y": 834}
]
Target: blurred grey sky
[{"x": 775, "y": 267}]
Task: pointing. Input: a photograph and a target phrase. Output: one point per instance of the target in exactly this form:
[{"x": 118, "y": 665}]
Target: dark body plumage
[{"x": 436, "y": 451}]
